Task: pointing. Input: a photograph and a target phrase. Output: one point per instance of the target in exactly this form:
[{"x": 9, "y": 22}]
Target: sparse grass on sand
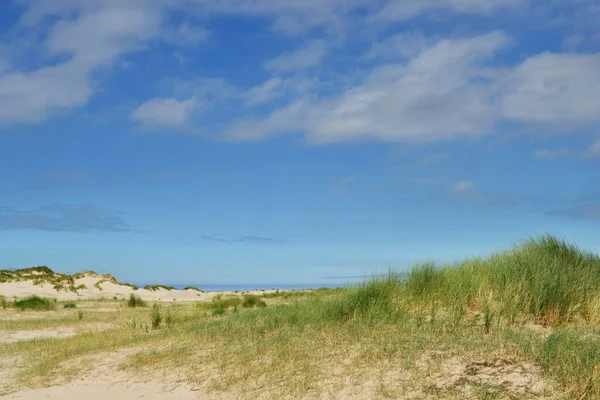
[
  {"x": 135, "y": 301},
  {"x": 35, "y": 303},
  {"x": 522, "y": 323}
]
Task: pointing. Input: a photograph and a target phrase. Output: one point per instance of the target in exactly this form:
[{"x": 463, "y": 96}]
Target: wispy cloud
[
  {"x": 467, "y": 192},
  {"x": 594, "y": 149},
  {"x": 242, "y": 239},
  {"x": 342, "y": 186},
  {"x": 306, "y": 57},
  {"x": 161, "y": 113},
  {"x": 586, "y": 211},
  {"x": 551, "y": 154},
  {"x": 62, "y": 218}
]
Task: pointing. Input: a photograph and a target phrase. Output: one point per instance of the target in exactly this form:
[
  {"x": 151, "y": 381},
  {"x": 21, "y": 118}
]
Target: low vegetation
[
  {"x": 522, "y": 323},
  {"x": 131, "y": 285},
  {"x": 35, "y": 303},
  {"x": 194, "y": 288},
  {"x": 135, "y": 301},
  {"x": 158, "y": 287},
  {"x": 251, "y": 301}
]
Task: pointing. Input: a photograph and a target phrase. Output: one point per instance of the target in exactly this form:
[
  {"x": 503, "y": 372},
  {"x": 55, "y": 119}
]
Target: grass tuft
[
  {"x": 35, "y": 303},
  {"x": 135, "y": 301},
  {"x": 251, "y": 301},
  {"x": 155, "y": 317}
]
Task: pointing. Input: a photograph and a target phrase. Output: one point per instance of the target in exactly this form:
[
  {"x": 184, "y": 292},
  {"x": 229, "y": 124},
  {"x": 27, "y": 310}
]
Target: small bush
[
  {"x": 131, "y": 285},
  {"x": 251, "y": 301},
  {"x": 70, "y": 305},
  {"x": 218, "y": 310},
  {"x": 424, "y": 280},
  {"x": 35, "y": 303},
  {"x": 194, "y": 288},
  {"x": 3, "y": 302},
  {"x": 79, "y": 315},
  {"x": 155, "y": 317},
  {"x": 169, "y": 319},
  {"x": 135, "y": 301},
  {"x": 158, "y": 287}
]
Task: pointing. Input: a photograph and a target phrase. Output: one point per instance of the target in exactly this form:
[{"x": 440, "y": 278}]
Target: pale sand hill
[{"x": 91, "y": 285}]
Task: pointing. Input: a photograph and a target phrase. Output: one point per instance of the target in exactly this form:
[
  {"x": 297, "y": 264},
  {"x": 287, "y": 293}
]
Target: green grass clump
[
  {"x": 157, "y": 287},
  {"x": 251, "y": 301},
  {"x": 155, "y": 317},
  {"x": 545, "y": 278},
  {"x": 194, "y": 288},
  {"x": 35, "y": 303},
  {"x": 131, "y": 285},
  {"x": 4, "y": 304},
  {"x": 218, "y": 310},
  {"x": 70, "y": 305},
  {"x": 135, "y": 301}
]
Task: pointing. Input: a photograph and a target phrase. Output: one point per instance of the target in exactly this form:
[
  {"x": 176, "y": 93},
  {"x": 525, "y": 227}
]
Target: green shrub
[
  {"x": 194, "y": 288},
  {"x": 251, "y": 301},
  {"x": 135, "y": 301},
  {"x": 155, "y": 317},
  {"x": 169, "y": 319},
  {"x": 218, "y": 310},
  {"x": 70, "y": 305},
  {"x": 424, "y": 280},
  {"x": 35, "y": 303},
  {"x": 157, "y": 287},
  {"x": 131, "y": 285}
]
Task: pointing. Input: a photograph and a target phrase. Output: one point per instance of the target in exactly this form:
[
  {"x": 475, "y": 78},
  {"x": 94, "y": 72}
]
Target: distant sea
[{"x": 232, "y": 287}]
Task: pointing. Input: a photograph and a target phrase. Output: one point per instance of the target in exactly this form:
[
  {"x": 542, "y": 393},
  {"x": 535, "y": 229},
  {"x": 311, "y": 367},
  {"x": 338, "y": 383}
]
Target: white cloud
[
  {"x": 572, "y": 42},
  {"x": 594, "y": 149},
  {"x": 431, "y": 97},
  {"x": 548, "y": 154},
  {"x": 276, "y": 88},
  {"x": 403, "y": 45},
  {"x": 186, "y": 34},
  {"x": 303, "y": 58},
  {"x": 448, "y": 90},
  {"x": 91, "y": 35},
  {"x": 401, "y": 10},
  {"x": 462, "y": 186},
  {"x": 157, "y": 112},
  {"x": 290, "y": 118},
  {"x": 554, "y": 89},
  {"x": 264, "y": 92},
  {"x": 29, "y": 97}
]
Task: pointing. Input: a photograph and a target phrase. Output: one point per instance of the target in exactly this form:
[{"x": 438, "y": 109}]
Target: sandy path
[{"x": 92, "y": 389}]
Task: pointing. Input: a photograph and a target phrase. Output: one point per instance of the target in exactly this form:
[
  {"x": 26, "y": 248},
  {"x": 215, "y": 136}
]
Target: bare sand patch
[
  {"x": 495, "y": 376},
  {"x": 60, "y": 332},
  {"x": 106, "y": 381}
]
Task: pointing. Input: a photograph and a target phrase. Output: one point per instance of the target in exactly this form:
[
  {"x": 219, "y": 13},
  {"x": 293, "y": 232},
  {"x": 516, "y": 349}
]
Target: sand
[
  {"x": 97, "y": 287},
  {"x": 104, "y": 381},
  {"x": 112, "y": 388}
]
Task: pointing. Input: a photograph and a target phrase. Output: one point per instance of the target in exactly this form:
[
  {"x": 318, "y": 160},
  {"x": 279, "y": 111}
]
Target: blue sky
[{"x": 293, "y": 141}]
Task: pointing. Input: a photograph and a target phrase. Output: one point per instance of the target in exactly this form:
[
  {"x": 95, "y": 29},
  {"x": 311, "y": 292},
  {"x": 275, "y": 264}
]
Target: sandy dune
[{"x": 95, "y": 286}]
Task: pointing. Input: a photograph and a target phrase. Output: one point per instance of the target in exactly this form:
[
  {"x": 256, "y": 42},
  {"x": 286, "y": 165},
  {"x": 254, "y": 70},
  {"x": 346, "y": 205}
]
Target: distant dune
[{"x": 43, "y": 281}]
